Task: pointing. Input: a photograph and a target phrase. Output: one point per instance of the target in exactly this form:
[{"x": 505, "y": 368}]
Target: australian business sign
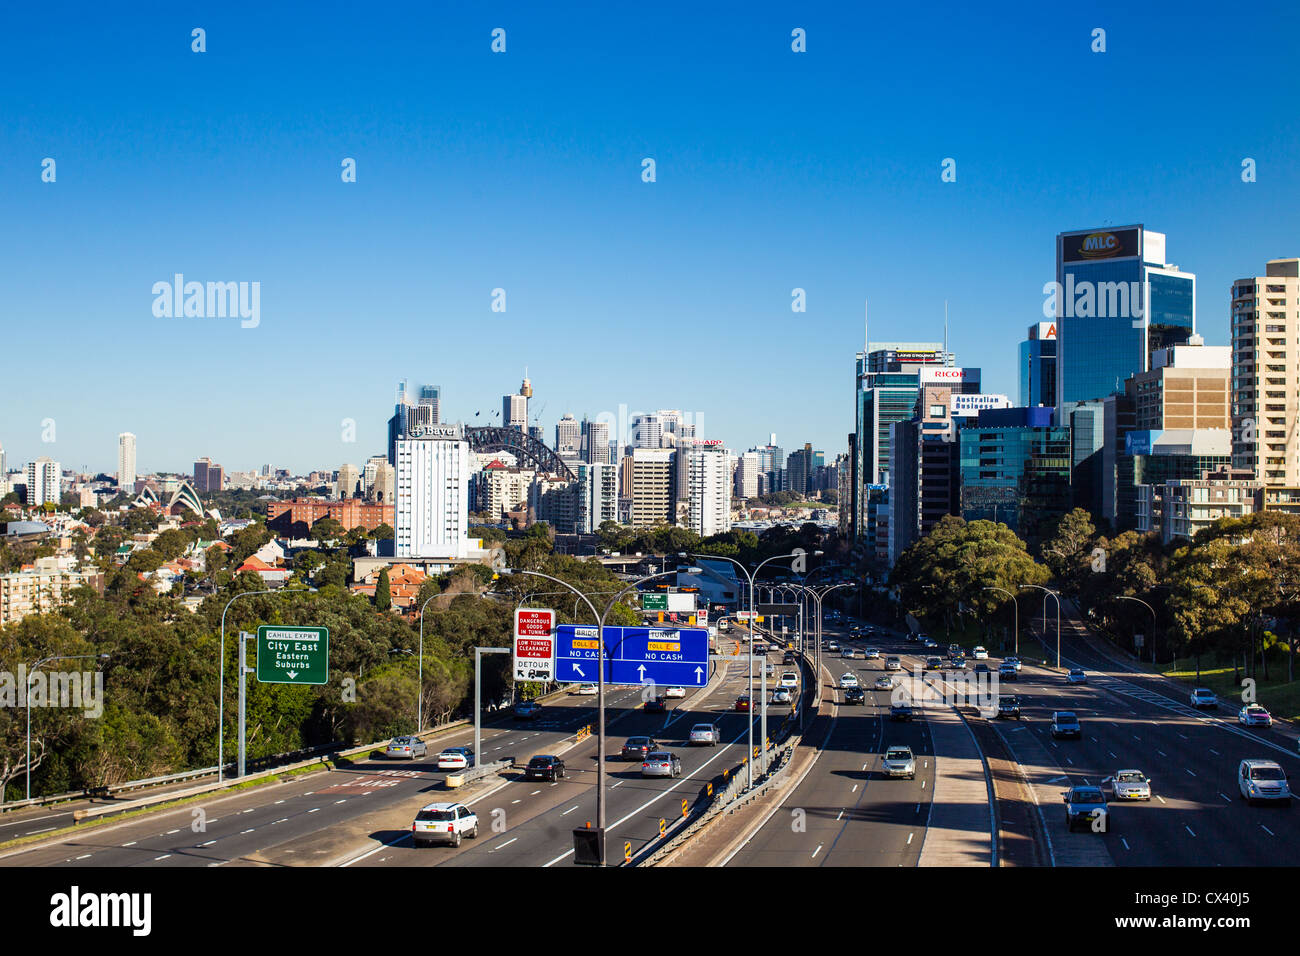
[
  {"x": 677, "y": 656},
  {"x": 1115, "y": 244},
  {"x": 967, "y": 406}
]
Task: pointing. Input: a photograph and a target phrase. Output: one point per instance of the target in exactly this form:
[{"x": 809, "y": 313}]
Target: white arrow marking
[
  {"x": 578, "y": 670},
  {"x": 641, "y": 671},
  {"x": 698, "y": 672},
  {"x": 292, "y": 674}
]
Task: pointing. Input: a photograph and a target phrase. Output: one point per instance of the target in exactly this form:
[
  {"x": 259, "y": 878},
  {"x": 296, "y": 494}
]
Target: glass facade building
[
  {"x": 1038, "y": 366},
  {"x": 1015, "y": 468},
  {"x": 1116, "y": 301}
]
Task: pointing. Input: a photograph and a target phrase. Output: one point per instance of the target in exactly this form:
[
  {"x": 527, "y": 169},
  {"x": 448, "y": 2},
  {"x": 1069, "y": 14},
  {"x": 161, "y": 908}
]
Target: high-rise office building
[
  {"x": 368, "y": 473},
  {"x": 1116, "y": 301},
  {"x": 923, "y": 468},
  {"x": 432, "y": 500},
  {"x": 888, "y": 380},
  {"x": 431, "y": 397},
  {"x": 596, "y": 449},
  {"x": 568, "y": 437},
  {"x": 801, "y": 469},
  {"x": 647, "y": 431},
  {"x": 399, "y": 424},
  {"x": 1038, "y": 366},
  {"x": 208, "y": 476},
  {"x": 514, "y": 412},
  {"x": 348, "y": 484},
  {"x": 1186, "y": 387},
  {"x": 125, "y": 463},
  {"x": 747, "y": 475},
  {"x": 1266, "y": 374},
  {"x": 1015, "y": 468},
  {"x": 653, "y": 487}
]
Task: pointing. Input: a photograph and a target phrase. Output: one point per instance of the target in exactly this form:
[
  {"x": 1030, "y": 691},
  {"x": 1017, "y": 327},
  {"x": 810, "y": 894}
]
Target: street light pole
[
  {"x": 1055, "y": 597},
  {"x": 753, "y": 623},
  {"x": 1154, "y": 625},
  {"x": 1016, "y": 627},
  {"x": 600, "y": 678}
]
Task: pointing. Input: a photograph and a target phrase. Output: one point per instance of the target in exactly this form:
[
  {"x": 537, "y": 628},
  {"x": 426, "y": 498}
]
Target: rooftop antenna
[{"x": 945, "y": 331}]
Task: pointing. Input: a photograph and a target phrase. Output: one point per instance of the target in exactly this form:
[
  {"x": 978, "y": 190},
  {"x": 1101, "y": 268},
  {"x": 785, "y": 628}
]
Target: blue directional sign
[{"x": 673, "y": 656}]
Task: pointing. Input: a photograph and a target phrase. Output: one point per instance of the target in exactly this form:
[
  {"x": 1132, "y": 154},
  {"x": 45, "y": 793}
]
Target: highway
[
  {"x": 851, "y": 814},
  {"x": 1129, "y": 720},
  {"x": 301, "y": 820},
  {"x": 536, "y": 819}
]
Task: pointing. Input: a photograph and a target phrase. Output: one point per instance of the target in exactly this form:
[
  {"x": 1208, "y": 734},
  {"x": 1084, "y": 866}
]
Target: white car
[
  {"x": 847, "y": 653},
  {"x": 980, "y": 654},
  {"x": 789, "y": 679},
  {"x": 1014, "y": 662},
  {"x": 456, "y": 758},
  {"x": 675, "y": 692},
  {"x": 443, "y": 823},
  {"x": 1077, "y": 676},
  {"x": 781, "y": 695},
  {"x": 1253, "y": 715},
  {"x": 1204, "y": 697},
  {"x": 872, "y": 653},
  {"x": 1130, "y": 785},
  {"x": 833, "y": 646},
  {"x": 709, "y": 734},
  {"x": 893, "y": 663},
  {"x": 1262, "y": 780},
  {"x": 848, "y": 680},
  {"x": 585, "y": 689}
]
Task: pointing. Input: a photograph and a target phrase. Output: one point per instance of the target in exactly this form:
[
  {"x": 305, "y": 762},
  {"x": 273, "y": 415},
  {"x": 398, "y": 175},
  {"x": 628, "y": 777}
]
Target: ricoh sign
[
  {"x": 949, "y": 376},
  {"x": 444, "y": 432}
]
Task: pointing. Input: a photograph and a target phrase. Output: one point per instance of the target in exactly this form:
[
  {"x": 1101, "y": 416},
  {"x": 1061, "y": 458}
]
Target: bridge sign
[
  {"x": 672, "y": 656},
  {"x": 293, "y": 655}
]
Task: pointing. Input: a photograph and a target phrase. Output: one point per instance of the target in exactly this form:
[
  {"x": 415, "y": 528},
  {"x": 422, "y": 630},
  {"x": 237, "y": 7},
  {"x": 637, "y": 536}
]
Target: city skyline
[{"x": 785, "y": 185}]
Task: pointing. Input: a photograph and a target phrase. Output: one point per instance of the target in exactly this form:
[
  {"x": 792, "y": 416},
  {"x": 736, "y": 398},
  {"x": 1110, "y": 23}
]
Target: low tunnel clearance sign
[
  {"x": 534, "y": 645},
  {"x": 293, "y": 655}
]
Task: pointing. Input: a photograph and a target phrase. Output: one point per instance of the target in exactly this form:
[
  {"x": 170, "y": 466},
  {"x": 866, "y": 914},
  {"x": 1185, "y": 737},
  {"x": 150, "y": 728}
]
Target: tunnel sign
[
  {"x": 534, "y": 644},
  {"x": 293, "y": 655}
]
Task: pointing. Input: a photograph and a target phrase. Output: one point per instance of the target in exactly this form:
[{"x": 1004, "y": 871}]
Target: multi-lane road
[{"x": 842, "y": 812}]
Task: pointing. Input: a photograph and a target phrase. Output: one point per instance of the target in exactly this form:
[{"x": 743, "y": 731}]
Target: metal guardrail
[
  {"x": 477, "y": 772},
  {"x": 735, "y": 792}
]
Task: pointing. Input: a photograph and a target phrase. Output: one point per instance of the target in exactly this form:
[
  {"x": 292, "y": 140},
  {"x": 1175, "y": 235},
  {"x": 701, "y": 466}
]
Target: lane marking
[
  {"x": 909, "y": 838},
  {"x": 281, "y": 820},
  {"x": 1189, "y": 829},
  {"x": 855, "y": 789},
  {"x": 535, "y": 793},
  {"x": 818, "y": 850},
  {"x": 84, "y": 856},
  {"x": 249, "y": 830},
  {"x": 313, "y": 809},
  {"x": 163, "y": 857},
  {"x": 132, "y": 843},
  {"x": 209, "y": 843},
  {"x": 570, "y": 810},
  {"x": 504, "y": 845},
  {"x": 1267, "y": 830},
  {"x": 1125, "y": 842},
  {"x": 1189, "y": 772},
  {"x": 45, "y": 830}
]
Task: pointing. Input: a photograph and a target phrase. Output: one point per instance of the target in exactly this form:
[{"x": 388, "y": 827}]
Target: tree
[
  {"x": 383, "y": 532},
  {"x": 383, "y": 592},
  {"x": 328, "y": 530},
  {"x": 952, "y": 565}
]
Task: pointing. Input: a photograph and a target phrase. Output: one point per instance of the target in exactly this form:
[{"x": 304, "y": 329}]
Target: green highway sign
[
  {"x": 654, "y": 602},
  {"x": 293, "y": 655}
]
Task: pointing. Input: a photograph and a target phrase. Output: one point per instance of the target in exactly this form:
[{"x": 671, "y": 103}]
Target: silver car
[
  {"x": 661, "y": 764},
  {"x": 406, "y": 748},
  {"x": 709, "y": 734},
  {"x": 1130, "y": 785},
  {"x": 899, "y": 762}
]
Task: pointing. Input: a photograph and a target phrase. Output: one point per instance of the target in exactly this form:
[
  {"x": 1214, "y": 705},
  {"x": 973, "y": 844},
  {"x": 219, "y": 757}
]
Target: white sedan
[
  {"x": 848, "y": 680},
  {"x": 585, "y": 689},
  {"x": 1130, "y": 785},
  {"x": 980, "y": 654},
  {"x": 1077, "y": 676},
  {"x": 675, "y": 692}
]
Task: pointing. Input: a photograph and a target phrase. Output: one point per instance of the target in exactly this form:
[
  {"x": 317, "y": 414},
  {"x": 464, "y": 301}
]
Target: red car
[{"x": 742, "y": 702}]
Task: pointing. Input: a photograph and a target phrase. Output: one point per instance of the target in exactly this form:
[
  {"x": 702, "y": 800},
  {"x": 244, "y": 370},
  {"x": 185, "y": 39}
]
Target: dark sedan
[{"x": 544, "y": 767}]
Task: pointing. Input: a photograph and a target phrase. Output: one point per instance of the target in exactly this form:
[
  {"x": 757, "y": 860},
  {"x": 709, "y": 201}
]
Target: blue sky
[{"x": 522, "y": 171}]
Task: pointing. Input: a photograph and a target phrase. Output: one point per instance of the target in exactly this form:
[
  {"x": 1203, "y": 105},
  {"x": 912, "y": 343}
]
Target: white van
[{"x": 1262, "y": 780}]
